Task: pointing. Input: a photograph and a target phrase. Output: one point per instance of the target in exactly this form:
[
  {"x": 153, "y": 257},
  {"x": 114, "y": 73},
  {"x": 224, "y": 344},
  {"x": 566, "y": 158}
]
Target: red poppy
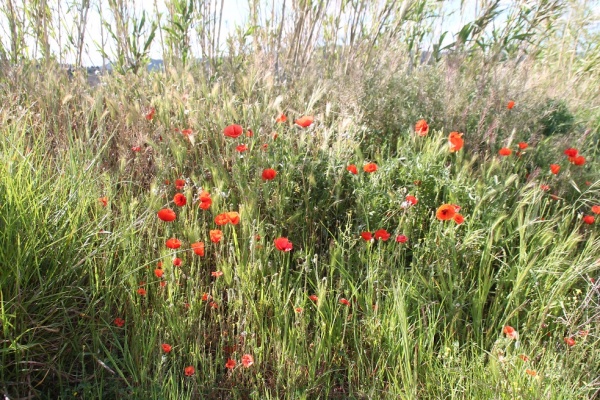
[
  {"x": 173, "y": 243},
  {"x": 596, "y": 209},
  {"x": 180, "y": 199},
  {"x": 166, "y": 347},
  {"x": 579, "y": 160},
  {"x": 189, "y": 370},
  {"x": 530, "y": 372},
  {"x": 233, "y": 131},
  {"x": 505, "y": 151},
  {"x": 177, "y": 262},
  {"x": 523, "y": 145},
  {"x": 421, "y": 127},
  {"x": 554, "y": 168},
  {"x": 186, "y": 132},
  {"x": 205, "y": 200},
  {"x": 206, "y": 297},
  {"x": 120, "y": 322},
  {"x": 304, "y": 121},
  {"x": 455, "y": 141},
  {"x": 571, "y": 152},
  {"x": 589, "y": 219},
  {"x": 242, "y": 148},
  {"x": 103, "y": 201},
  {"x": 352, "y": 169},
  {"x": 523, "y": 357},
  {"x": 150, "y": 114},
  {"x": 282, "y": 118},
  {"x": 269, "y": 174},
  {"x": 412, "y": 200},
  {"x": 216, "y": 235},
  {"x": 159, "y": 272},
  {"x": 247, "y": 360},
  {"x": 283, "y": 244},
  {"x": 198, "y": 248},
  {"x": 179, "y": 184},
  {"x": 458, "y": 218},
  {"x": 445, "y": 212},
  {"x": 370, "y": 167},
  {"x": 167, "y": 215},
  {"x": 141, "y": 291},
  {"x": 214, "y": 305},
  {"x": 570, "y": 341},
  {"x": 401, "y": 239},
  {"x": 510, "y": 332},
  {"x": 234, "y": 217},
  {"x": 344, "y": 302},
  {"x": 382, "y": 234},
  {"x": 510, "y": 105},
  {"x": 545, "y": 188},
  {"x": 264, "y": 147},
  {"x": 275, "y": 135},
  {"x": 298, "y": 309},
  {"x": 313, "y": 297},
  {"x": 221, "y": 219},
  {"x": 136, "y": 149},
  {"x": 163, "y": 283},
  {"x": 216, "y": 274},
  {"x": 367, "y": 236},
  {"x": 249, "y": 133},
  {"x": 230, "y": 364}
]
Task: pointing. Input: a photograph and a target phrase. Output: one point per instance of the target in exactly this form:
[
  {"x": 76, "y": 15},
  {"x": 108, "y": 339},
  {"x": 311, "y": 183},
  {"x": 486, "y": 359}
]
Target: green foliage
[{"x": 555, "y": 118}]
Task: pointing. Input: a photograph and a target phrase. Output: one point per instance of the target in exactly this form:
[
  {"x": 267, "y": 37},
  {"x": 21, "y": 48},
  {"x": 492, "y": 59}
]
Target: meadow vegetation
[{"x": 276, "y": 221}]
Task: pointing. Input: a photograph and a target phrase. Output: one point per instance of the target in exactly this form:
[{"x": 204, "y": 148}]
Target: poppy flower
[
  {"x": 382, "y": 234},
  {"x": 412, "y": 200},
  {"x": 352, "y": 169},
  {"x": 150, "y": 114},
  {"x": 313, "y": 297},
  {"x": 177, "y": 262},
  {"x": 523, "y": 145},
  {"x": 136, "y": 149},
  {"x": 283, "y": 244},
  {"x": 247, "y": 360},
  {"x": 545, "y": 188},
  {"x": 166, "y": 347},
  {"x": 445, "y": 212},
  {"x": 298, "y": 309},
  {"x": 221, "y": 219},
  {"x": 570, "y": 341},
  {"x": 367, "y": 236},
  {"x": 421, "y": 127},
  {"x": 579, "y": 160},
  {"x": 344, "y": 302},
  {"x": 242, "y": 148},
  {"x": 189, "y": 370},
  {"x": 173, "y": 243},
  {"x": 458, "y": 218},
  {"x": 206, "y": 297},
  {"x": 530, "y": 372},
  {"x": 234, "y": 217},
  {"x": 571, "y": 152},
  {"x": 282, "y": 118},
  {"x": 510, "y": 105},
  {"x": 103, "y": 201},
  {"x": 269, "y": 174},
  {"x": 275, "y": 135},
  {"x": 523, "y": 357},
  {"x": 230, "y": 364},
  {"x": 120, "y": 322},
  {"x": 510, "y": 332},
  {"x": 233, "y": 131},
  {"x": 179, "y": 184},
  {"x": 455, "y": 141},
  {"x": 304, "y": 121},
  {"x": 264, "y": 147},
  {"x": 401, "y": 239},
  {"x": 214, "y": 305},
  {"x": 589, "y": 219},
  {"x": 141, "y": 291},
  {"x": 180, "y": 199},
  {"x": 505, "y": 151},
  {"x": 186, "y": 132},
  {"x": 205, "y": 200},
  {"x": 198, "y": 248},
  {"x": 370, "y": 167},
  {"x": 554, "y": 168},
  {"x": 216, "y": 235},
  {"x": 159, "y": 264},
  {"x": 216, "y": 274},
  {"x": 596, "y": 209},
  {"x": 159, "y": 272},
  {"x": 167, "y": 215}
]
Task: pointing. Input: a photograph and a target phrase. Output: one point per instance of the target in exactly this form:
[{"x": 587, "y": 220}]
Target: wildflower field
[{"x": 344, "y": 222}]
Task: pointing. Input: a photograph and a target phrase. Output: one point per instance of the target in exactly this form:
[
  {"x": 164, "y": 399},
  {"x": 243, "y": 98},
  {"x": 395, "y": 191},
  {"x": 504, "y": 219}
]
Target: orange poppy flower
[
  {"x": 523, "y": 357},
  {"x": 510, "y": 105},
  {"x": 579, "y": 160},
  {"x": 216, "y": 235},
  {"x": 455, "y": 141},
  {"x": 589, "y": 219},
  {"x": 216, "y": 274},
  {"x": 234, "y": 217},
  {"x": 523, "y": 145},
  {"x": 570, "y": 341},
  {"x": 282, "y": 118},
  {"x": 313, "y": 297},
  {"x": 180, "y": 199},
  {"x": 505, "y": 151},
  {"x": 352, "y": 169},
  {"x": 230, "y": 364},
  {"x": 186, "y": 132},
  {"x": 510, "y": 332},
  {"x": 283, "y": 244},
  {"x": 412, "y": 200},
  {"x": 421, "y": 127},
  {"x": 141, "y": 291},
  {"x": 530, "y": 372},
  {"x": 249, "y": 133},
  {"x": 120, "y": 322},
  {"x": 179, "y": 184},
  {"x": 304, "y": 121},
  {"x": 103, "y": 201},
  {"x": 159, "y": 272},
  {"x": 445, "y": 212},
  {"x": 198, "y": 248},
  {"x": 189, "y": 371},
  {"x": 221, "y": 219},
  {"x": 344, "y": 302},
  {"x": 167, "y": 215},
  {"x": 298, "y": 309},
  {"x": 205, "y": 200},
  {"x": 166, "y": 347},
  {"x": 545, "y": 188},
  {"x": 458, "y": 218},
  {"x": 269, "y": 174},
  {"x": 554, "y": 168},
  {"x": 596, "y": 209},
  {"x": 206, "y": 297},
  {"x": 242, "y": 148},
  {"x": 367, "y": 236},
  {"x": 150, "y": 114},
  {"x": 370, "y": 167},
  {"x": 382, "y": 234},
  {"x": 136, "y": 149},
  {"x": 247, "y": 360},
  {"x": 233, "y": 131},
  {"x": 177, "y": 262},
  {"x": 571, "y": 152},
  {"x": 401, "y": 239},
  {"x": 173, "y": 243}
]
